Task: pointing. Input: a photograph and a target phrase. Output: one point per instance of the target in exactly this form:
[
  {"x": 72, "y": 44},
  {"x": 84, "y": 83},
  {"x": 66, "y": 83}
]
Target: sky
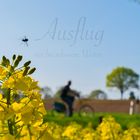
[{"x": 82, "y": 41}]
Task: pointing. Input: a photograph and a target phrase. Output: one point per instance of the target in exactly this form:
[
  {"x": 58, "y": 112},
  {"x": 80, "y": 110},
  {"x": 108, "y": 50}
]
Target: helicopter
[{"x": 25, "y": 40}]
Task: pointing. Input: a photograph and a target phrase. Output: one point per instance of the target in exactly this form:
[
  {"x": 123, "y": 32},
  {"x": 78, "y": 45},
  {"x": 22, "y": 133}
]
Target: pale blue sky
[{"x": 114, "y": 26}]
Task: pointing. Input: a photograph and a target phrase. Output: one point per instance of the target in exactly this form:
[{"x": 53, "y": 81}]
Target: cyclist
[{"x": 68, "y": 98}]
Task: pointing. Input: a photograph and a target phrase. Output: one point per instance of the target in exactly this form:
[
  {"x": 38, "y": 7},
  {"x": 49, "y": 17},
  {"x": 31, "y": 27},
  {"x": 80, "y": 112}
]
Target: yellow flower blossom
[
  {"x": 8, "y": 137},
  {"x": 3, "y": 73}
]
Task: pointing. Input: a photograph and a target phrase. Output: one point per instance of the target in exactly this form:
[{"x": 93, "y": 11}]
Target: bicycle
[{"x": 84, "y": 109}]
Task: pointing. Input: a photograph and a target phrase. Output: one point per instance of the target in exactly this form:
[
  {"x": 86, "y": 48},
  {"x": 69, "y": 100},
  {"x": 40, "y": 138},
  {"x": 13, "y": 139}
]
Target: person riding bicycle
[{"x": 68, "y": 98}]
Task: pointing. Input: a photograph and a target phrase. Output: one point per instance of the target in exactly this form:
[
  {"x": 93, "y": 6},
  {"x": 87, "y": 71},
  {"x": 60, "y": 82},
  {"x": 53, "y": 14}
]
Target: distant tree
[
  {"x": 132, "y": 96},
  {"x": 46, "y": 92},
  {"x": 98, "y": 94},
  {"x": 122, "y": 78},
  {"x": 138, "y": 1},
  {"x": 58, "y": 92}
]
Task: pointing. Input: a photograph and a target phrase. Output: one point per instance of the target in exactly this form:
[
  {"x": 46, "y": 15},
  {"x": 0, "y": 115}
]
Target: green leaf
[
  {"x": 31, "y": 71},
  {"x": 4, "y": 58},
  {"x": 14, "y": 57},
  {"x": 7, "y": 62},
  {"x": 19, "y": 58},
  {"x": 3, "y": 61},
  {"x": 26, "y": 71},
  {"x": 16, "y": 63},
  {"x": 27, "y": 63}
]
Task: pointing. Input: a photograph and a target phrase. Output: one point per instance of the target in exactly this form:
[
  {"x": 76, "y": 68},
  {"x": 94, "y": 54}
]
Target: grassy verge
[{"x": 125, "y": 120}]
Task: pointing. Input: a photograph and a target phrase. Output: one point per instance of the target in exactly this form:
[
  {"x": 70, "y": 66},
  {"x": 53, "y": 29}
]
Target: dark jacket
[{"x": 65, "y": 91}]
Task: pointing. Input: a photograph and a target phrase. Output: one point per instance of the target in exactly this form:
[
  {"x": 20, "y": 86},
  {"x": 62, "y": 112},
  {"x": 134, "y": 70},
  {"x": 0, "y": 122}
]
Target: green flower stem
[{"x": 10, "y": 124}]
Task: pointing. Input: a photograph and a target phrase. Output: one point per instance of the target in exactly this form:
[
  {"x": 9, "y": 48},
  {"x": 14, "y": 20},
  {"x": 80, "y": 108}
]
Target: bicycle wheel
[
  {"x": 86, "y": 111},
  {"x": 58, "y": 108}
]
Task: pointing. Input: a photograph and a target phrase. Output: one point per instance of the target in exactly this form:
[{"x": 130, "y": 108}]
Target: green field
[{"x": 125, "y": 120}]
